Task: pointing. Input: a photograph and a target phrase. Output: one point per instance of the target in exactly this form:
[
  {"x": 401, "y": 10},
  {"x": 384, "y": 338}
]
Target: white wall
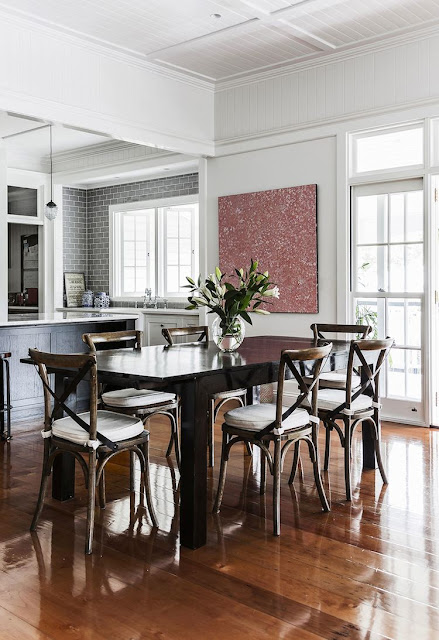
[{"x": 312, "y": 162}]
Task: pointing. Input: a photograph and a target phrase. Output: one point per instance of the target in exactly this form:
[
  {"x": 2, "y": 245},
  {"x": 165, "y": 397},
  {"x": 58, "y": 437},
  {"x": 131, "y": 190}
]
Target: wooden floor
[{"x": 368, "y": 569}]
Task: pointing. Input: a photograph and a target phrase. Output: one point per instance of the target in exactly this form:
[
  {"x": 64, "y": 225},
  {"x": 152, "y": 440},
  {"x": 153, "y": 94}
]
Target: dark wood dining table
[{"x": 195, "y": 371}]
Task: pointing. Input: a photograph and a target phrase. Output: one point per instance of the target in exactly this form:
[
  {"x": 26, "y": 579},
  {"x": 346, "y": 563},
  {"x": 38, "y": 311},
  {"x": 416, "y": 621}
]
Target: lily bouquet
[{"x": 232, "y": 301}]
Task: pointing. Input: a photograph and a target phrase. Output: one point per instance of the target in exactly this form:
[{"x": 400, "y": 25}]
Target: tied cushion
[
  {"x": 330, "y": 399},
  {"x": 257, "y": 416},
  {"x": 337, "y": 380},
  {"x": 136, "y": 398},
  {"x": 228, "y": 394},
  {"x": 114, "y": 426}
]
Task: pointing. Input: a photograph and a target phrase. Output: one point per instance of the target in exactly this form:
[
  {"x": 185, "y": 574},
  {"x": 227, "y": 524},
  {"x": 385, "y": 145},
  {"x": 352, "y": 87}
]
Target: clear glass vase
[{"x": 229, "y": 337}]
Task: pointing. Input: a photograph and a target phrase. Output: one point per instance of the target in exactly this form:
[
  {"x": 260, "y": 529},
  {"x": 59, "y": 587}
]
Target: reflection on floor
[{"x": 369, "y": 569}]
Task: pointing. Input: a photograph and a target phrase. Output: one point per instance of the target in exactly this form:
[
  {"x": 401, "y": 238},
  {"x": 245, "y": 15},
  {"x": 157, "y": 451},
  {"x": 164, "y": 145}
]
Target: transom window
[{"x": 153, "y": 245}]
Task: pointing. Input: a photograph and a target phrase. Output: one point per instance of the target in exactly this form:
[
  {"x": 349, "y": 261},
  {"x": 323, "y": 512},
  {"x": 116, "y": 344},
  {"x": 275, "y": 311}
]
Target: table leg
[
  {"x": 369, "y": 457},
  {"x": 194, "y": 424},
  {"x": 253, "y": 395},
  {"x": 63, "y": 474}
]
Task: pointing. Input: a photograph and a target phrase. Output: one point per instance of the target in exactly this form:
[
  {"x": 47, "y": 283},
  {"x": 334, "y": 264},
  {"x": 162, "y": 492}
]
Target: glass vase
[{"x": 229, "y": 336}]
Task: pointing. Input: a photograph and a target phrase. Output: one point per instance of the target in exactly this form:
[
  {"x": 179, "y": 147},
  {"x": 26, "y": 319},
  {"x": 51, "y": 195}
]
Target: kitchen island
[{"x": 59, "y": 332}]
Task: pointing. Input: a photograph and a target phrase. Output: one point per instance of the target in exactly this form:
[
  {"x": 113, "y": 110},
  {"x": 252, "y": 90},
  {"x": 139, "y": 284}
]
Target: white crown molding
[
  {"x": 104, "y": 148},
  {"x": 112, "y": 51},
  {"x": 318, "y": 60},
  {"x": 328, "y": 127}
]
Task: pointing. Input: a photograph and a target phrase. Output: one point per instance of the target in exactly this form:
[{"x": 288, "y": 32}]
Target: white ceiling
[{"x": 250, "y": 35}]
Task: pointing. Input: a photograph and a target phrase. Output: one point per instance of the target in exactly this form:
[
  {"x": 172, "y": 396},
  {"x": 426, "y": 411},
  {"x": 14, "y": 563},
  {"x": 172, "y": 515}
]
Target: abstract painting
[{"x": 279, "y": 229}]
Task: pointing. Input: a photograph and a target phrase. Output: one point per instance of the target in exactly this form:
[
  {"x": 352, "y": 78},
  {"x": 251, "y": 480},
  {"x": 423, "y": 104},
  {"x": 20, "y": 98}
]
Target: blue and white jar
[
  {"x": 87, "y": 298},
  {"x": 102, "y": 300}
]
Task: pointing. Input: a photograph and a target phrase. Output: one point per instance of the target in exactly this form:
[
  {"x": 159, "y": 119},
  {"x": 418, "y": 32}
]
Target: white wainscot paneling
[{"x": 344, "y": 86}]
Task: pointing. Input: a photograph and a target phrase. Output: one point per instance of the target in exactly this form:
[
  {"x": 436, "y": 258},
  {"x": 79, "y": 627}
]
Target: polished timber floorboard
[{"x": 366, "y": 570}]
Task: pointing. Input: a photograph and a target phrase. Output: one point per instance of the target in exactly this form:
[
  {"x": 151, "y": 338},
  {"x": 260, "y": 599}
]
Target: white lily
[
  {"x": 262, "y": 312},
  {"x": 272, "y": 293}
]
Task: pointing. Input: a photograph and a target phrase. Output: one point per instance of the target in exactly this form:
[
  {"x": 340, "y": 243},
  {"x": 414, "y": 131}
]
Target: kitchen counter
[
  {"x": 64, "y": 317},
  {"x": 138, "y": 311}
]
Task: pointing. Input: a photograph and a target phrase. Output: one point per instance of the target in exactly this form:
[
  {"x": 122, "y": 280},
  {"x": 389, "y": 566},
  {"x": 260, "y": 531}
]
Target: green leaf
[
  {"x": 246, "y": 317},
  {"x": 218, "y": 273},
  {"x": 190, "y": 280}
]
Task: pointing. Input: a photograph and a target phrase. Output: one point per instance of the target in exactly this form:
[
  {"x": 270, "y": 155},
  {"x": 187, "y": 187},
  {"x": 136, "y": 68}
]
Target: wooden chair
[
  {"x": 262, "y": 424},
  {"x": 353, "y": 406},
  {"x": 337, "y": 379},
  {"x": 217, "y": 400},
  {"x": 143, "y": 403},
  {"x": 98, "y": 434}
]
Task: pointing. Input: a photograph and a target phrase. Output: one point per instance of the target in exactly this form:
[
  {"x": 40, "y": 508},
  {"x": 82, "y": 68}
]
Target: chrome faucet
[{"x": 147, "y": 298}]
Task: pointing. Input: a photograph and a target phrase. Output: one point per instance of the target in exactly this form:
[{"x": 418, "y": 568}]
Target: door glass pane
[
  {"x": 389, "y": 150},
  {"x": 397, "y": 217},
  {"x": 396, "y": 268},
  {"x": 396, "y": 320},
  {"x": 128, "y": 227},
  {"x": 414, "y": 378},
  {"x": 396, "y": 373},
  {"x": 172, "y": 223},
  {"x": 172, "y": 279},
  {"x": 372, "y": 219},
  {"x": 129, "y": 254},
  {"x": 129, "y": 280},
  {"x": 414, "y": 268},
  {"x": 372, "y": 268},
  {"x": 413, "y": 323},
  {"x": 414, "y": 201}
]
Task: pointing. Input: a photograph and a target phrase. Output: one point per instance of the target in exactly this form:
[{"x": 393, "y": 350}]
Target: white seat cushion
[
  {"x": 337, "y": 380},
  {"x": 255, "y": 417},
  {"x": 114, "y": 426},
  {"x": 330, "y": 399},
  {"x": 136, "y": 398}
]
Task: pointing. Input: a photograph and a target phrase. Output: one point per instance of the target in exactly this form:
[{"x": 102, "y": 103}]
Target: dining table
[{"x": 195, "y": 371}]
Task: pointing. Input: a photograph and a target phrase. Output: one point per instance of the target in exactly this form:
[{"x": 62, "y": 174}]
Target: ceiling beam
[{"x": 253, "y": 15}]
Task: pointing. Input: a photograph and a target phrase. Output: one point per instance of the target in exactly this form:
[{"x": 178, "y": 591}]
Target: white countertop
[
  {"x": 64, "y": 318},
  {"x": 124, "y": 310}
]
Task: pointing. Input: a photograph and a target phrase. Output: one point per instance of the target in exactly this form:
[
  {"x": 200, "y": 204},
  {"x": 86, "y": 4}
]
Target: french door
[{"x": 387, "y": 284}]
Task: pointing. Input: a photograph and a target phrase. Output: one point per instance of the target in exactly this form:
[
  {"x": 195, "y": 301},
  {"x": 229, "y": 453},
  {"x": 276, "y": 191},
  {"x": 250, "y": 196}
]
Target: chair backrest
[
  {"x": 92, "y": 339},
  {"x": 176, "y": 332},
  {"x": 320, "y": 330},
  {"x": 370, "y": 355},
  {"x": 307, "y": 378},
  {"x": 79, "y": 365}
]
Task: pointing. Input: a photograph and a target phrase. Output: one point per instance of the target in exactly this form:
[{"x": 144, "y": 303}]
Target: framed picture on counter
[{"x": 75, "y": 286}]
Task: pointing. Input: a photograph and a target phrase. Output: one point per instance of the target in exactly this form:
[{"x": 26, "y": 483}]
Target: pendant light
[{"x": 51, "y": 209}]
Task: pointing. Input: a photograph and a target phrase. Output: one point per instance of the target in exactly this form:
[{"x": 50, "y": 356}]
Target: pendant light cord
[{"x": 51, "y": 166}]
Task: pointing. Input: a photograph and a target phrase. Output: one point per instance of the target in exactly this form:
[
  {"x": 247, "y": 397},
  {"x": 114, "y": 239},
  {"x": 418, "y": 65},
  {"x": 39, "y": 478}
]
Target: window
[
  {"x": 388, "y": 275},
  {"x": 386, "y": 150},
  {"x": 153, "y": 245}
]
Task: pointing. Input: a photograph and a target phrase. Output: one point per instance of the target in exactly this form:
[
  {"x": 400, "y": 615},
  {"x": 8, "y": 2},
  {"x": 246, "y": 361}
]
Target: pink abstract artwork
[{"x": 279, "y": 229}]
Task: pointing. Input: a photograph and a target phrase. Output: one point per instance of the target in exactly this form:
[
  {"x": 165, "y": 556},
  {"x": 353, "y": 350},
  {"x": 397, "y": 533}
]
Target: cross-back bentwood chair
[
  {"x": 97, "y": 434},
  {"x": 217, "y": 400},
  {"x": 261, "y": 424},
  {"x": 143, "y": 403},
  {"x": 337, "y": 379},
  {"x": 353, "y": 405}
]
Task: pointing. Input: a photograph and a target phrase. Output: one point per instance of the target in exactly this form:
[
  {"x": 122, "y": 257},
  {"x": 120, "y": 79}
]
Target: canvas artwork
[{"x": 279, "y": 229}]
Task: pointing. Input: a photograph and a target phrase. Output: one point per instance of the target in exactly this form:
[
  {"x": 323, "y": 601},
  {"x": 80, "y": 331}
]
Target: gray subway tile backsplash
[{"x": 86, "y": 222}]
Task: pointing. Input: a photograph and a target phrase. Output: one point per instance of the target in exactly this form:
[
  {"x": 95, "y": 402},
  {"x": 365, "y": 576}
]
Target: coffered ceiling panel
[{"x": 220, "y": 39}]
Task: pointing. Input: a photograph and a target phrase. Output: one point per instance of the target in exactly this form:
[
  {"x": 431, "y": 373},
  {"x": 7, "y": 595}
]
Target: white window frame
[
  {"x": 392, "y": 404},
  {"x": 116, "y": 244},
  {"x": 406, "y": 170}
]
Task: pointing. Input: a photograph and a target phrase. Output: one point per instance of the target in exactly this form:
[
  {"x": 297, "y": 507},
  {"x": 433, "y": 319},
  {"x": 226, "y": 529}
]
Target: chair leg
[
  {"x": 211, "y": 434},
  {"x": 222, "y": 475},
  {"x": 377, "y": 445},
  {"x": 91, "y": 501},
  {"x": 263, "y": 485},
  {"x": 43, "y": 487},
  {"x": 317, "y": 477},
  {"x": 132, "y": 470},
  {"x": 327, "y": 447},
  {"x": 147, "y": 483},
  {"x": 294, "y": 466},
  {"x": 175, "y": 414},
  {"x": 102, "y": 497},
  {"x": 347, "y": 458},
  {"x": 276, "y": 487},
  {"x": 249, "y": 448}
]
